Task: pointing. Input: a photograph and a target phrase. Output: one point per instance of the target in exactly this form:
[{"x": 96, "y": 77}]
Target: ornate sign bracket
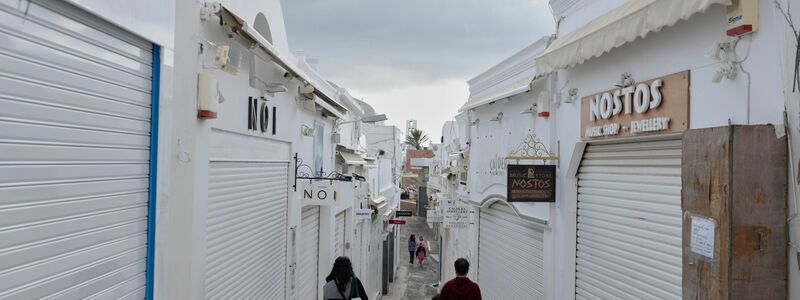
[
  {"x": 532, "y": 148},
  {"x": 304, "y": 171}
]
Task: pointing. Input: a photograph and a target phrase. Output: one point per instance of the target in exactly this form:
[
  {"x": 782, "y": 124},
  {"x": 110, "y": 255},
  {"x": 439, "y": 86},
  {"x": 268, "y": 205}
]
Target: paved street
[{"x": 414, "y": 281}]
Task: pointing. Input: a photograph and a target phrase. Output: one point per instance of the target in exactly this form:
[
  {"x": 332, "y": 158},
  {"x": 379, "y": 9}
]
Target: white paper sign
[
  {"x": 702, "y": 241},
  {"x": 456, "y": 216},
  {"x": 363, "y": 213}
]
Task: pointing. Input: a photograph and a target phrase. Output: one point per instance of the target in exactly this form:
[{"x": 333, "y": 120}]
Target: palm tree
[{"x": 416, "y": 138}]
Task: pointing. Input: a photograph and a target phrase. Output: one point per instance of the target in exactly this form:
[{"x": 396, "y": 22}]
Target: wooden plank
[
  {"x": 759, "y": 193},
  {"x": 705, "y": 179}
]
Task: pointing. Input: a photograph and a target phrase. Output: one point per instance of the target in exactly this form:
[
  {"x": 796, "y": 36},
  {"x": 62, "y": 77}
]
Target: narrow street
[{"x": 414, "y": 281}]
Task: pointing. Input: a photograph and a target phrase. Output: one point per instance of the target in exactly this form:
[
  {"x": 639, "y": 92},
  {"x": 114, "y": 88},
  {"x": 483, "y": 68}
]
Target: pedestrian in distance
[
  {"x": 342, "y": 283},
  {"x": 422, "y": 249},
  {"x": 461, "y": 287},
  {"x": 412, "y": 247}
]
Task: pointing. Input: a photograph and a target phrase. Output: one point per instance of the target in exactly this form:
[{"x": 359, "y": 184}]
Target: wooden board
[
  {"x": 674, "y": 104},
  {"x": 736, "y": 176},
  {"x": 705, "y": 179}
]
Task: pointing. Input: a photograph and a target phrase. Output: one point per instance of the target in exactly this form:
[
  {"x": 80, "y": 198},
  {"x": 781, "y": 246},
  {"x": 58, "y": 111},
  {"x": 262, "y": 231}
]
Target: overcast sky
[{"x": 410, "y": 59}]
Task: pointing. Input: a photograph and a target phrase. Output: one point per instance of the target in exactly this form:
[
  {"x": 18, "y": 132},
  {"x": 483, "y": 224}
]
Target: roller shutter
[
  {"x": 338, "y": 247},
  {"x": 510, "y": 252},
  {"x": 629, "y": 221},
  {"x": 246, "y": 232},
  {"x": 75, "y": 131},
  {"x": 307, "y": 283}
]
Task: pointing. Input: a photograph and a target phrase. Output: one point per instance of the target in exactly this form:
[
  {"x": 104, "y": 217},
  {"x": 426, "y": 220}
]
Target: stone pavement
[{"x": 414, "y": 281}]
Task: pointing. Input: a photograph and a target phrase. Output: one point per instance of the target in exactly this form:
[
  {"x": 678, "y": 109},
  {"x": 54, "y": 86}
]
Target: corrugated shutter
[
  {"x": 629, "y": 221},
  {"x": 75, "y": 99},
  {"x": 246, "y": 232},
  {"x": 510, "y": 255},
  {"x": 307, "y": 283},
  {"x": 338, "y": 247}
]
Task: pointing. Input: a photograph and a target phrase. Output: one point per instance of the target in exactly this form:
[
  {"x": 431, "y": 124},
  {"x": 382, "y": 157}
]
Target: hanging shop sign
[
  {"x": 434, "y": 216},
  {"x": 531, "y": 183},
  {"x": 403, "y": 213},
  {"x": 325, "y": 192},
  {"x": 397, "y": 221},
  {"x": 658, "y": 105},
  {"x": 456, "y": 216},
  {"x": 363, "y": 213}
]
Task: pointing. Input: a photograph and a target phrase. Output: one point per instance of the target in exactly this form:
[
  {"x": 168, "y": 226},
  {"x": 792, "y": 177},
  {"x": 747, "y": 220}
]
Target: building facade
[
  {"x": 608, "y": 106},
  {"x": 170, "y": 153}
]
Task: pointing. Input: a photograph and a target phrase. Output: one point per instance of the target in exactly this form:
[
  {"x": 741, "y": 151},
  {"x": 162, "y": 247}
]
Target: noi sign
[
  {"x": 649, "y": 107},
  {"x": 321, "y": 193}
]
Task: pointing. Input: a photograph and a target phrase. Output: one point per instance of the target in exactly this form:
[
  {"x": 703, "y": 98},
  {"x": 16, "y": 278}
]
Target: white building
[
  {"x": 610, "y": 234},
  {"x": 152, "y": 150}
]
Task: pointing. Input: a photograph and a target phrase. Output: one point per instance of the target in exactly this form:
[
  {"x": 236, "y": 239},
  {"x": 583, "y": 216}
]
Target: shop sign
[
  {"x": 434, "y": 216},
  {"x": 363, "y": 213},
  {"x": 397, "y": 221},
  {"x": 403, "y": 213},
  {"x": 456, "y": 216},
  {"x": 658, "y": 105},
  {"x": 323, "y": 192},
  {"x": 531, "y": 183}
]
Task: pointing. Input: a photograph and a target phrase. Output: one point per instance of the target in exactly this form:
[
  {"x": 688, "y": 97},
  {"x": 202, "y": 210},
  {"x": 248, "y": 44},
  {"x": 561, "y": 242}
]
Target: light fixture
[
  {"x": 306, "y": 88},
  {"x": 530, "y": 110},
  {"x": 718, "y": 48},
  {"x": 277, "y": 87},
  {"x": 475, "y": 122},
  {"x": 573, "y": 95},
  {"x": 497, "y": 118},
  {"x": 626, "y": 79},
  {"x": 306, "y": 130},
  {"x": 727, "y": 71}
]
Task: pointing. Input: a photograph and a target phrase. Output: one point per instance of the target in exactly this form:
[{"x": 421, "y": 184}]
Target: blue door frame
[{"x": 151, "y": 204}]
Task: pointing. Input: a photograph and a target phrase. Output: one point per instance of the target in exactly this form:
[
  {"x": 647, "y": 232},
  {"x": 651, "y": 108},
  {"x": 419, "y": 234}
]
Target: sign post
[{"x": 531, "y": 183}]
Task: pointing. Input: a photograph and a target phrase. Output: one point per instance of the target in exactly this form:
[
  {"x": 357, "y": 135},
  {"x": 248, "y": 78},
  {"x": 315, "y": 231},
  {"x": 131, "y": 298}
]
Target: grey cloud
[{"x": 382, "y": 44}]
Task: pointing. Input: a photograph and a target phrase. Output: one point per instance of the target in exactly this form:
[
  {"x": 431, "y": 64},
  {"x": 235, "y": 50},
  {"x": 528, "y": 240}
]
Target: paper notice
[{"x": 702, "y": 241}]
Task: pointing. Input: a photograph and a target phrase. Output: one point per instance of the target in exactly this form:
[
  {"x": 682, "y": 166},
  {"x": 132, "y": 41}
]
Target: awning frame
[{"x": 240, "y": 26}]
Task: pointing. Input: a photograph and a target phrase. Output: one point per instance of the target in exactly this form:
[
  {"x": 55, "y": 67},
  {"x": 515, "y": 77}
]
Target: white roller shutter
[
  {"x": 629, "y": 221},
  {"x": 307, "y": 284},
  {"x": 246, "y": 232},
  {"x": 338, "y": 247},
  {"x": 75, "y": 111},
  {"x": 510, "y": 255}
]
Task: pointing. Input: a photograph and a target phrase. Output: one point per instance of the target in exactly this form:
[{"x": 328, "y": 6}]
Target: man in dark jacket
[{"x": 461, "y": 287}]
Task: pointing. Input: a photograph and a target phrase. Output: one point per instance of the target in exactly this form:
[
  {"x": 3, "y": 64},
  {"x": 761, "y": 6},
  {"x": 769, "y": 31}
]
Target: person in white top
[{"x": 422, "y": 249}]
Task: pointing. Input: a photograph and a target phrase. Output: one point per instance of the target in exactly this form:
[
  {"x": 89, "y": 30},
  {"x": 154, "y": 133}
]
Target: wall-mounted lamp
[
  {"x": 306, "y": 130},
  {"x": 726, "y": 71},
  {"x": 718, "y": 49},
  {"x": 530, "y": 110},
  {"x": 625, "y": 79},
  {"x": 572, "y": 96},
  {"x": 477, "y": 120},
  {"x": 497, "y": 118}
]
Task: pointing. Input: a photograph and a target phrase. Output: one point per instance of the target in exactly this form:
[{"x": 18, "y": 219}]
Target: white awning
[
  {"x": 322, "y": 88},
  {"x": 631, "y": 20},
  {"x": 521, "y": 85},
  {"x": 351, "y": 158}
]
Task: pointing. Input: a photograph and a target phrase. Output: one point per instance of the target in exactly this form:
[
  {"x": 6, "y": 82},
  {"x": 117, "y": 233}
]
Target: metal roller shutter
[
  {"x": 246, "y": 231},
  {"x": 338, "y": 247},
  {"x": 629, "y": 221},
  {"x": 307, "y": 284},
  {"x": 75, "y": 111},
  {"x": 510, "y": 255}
]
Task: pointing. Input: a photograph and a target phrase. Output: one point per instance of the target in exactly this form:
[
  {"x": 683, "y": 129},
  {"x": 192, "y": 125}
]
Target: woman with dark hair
[
  {"x": 412, "y": 247},
  {"x": 342, "y": 283}
]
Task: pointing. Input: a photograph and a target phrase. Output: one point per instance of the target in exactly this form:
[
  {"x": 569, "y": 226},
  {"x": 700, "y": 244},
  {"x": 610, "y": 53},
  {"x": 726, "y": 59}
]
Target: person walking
[
  {"x": 461, "y": 287},
  {"x": 422, "y": 249},
  {"x": 342, "y": 283},
  {"x": 412, "y": 247}
]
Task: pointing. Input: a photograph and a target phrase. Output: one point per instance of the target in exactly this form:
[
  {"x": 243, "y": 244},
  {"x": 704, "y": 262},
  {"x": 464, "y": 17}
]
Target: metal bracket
[
  {"x": 301, "y": 173},
  {"x": 532, "y": 148}
]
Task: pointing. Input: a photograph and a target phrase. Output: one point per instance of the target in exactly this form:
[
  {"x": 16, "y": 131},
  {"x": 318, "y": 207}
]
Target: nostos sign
[{"x": 531, "y": 183}]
